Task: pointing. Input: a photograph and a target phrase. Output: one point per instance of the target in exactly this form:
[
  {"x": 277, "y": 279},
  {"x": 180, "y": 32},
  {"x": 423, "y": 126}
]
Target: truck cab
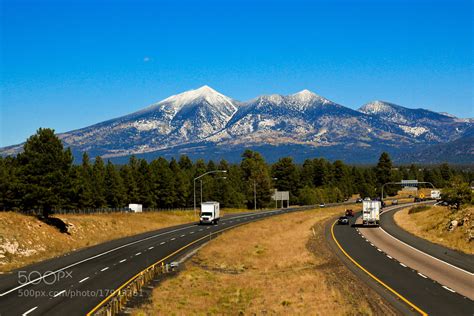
[{"x": 210, "y": 213}]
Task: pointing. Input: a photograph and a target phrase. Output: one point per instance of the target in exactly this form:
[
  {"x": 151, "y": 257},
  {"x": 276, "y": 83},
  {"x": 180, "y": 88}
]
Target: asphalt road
[
  {"x": 401, "y": 281},
  {"x": 82, "y": 279}
]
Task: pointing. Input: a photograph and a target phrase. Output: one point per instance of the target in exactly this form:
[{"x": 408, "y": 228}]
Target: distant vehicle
[
  {"x": 359, "y": 200},
  {"x": 394, "y": 202},
  {"x": 135, "y": 208},
  {"x": 210, "y": 213},
  {"x": 343, "y": 220},
  {"x": 322, "y": 205},
  {"x": 435, "y": 194},
  {"x": 371, "y": 212},
  {"x": 350, "y": 213}
]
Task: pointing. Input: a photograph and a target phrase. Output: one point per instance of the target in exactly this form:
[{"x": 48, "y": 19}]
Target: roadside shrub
[{"x": 417, "y": 209}]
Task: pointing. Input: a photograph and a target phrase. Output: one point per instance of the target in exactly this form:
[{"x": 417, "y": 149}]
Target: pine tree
[
  {"x": 114, "y": 189},
  {"x": 256, "y": 175},
  {"x": 383, "y": 172},
  {"x": 287, "y": 176},
  {"x": 45, "y": 172},
  {"x": 83, "y": 184},
  {"x": 98, "y": 183}
]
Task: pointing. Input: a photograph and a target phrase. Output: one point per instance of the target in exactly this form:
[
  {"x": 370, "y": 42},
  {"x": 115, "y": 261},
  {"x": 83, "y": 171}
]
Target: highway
[
  {"x": 79, "y": 281},
  {"x": 424, "y": 283}
]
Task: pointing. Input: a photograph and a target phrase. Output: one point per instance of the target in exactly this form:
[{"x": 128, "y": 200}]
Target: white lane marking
[
  {"x": 163, "y": 242},
  {"x": 449, "y": 264},
  {"x": 182, "y": 236},
  {"x": 107, "y": 252},
  {"x": 35, "y": 281},
  {"x": 123, "y": 260},
  {"x": 208, "y": 227},
  {"x": 173, "y": 238},
  {"x": 403, "y": 265},
  {"x": 106, "y": 268},
  {"x": 29, "y": 311},
  {"x": 59, "y": 293},
  {"x": 422, "y": 275},
  {"x": 379, "y": 250},
  {"x": 151, "y": 247},
  {"x": 138, "y": 253},
  {"x": 371, "y": 244},
  {"x": 390, "y": 257},
  {"x": 83, "y": 279},
  {"x": 191, "y": 232},
  {"x": 200, "y": 230},
  {"x": 447, "y": 288}
]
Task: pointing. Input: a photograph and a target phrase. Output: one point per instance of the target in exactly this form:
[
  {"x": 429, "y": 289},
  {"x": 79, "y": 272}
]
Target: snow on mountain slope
[
  {"x": 207, "y": 121},
  {"x": 422, "y": 124},
  {"x": 189, "y": 116}
]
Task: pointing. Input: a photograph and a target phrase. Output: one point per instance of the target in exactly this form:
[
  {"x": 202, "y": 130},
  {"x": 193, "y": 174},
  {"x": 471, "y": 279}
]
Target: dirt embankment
[
  {"x": 280, "y": 265},
  {"x": 439, "y": 224},
  {"x": 25, "y": 239}
]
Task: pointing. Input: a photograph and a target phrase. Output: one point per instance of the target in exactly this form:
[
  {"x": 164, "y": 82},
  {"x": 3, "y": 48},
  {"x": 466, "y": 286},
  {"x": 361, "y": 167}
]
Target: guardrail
[{"x": 117, "y": 302}]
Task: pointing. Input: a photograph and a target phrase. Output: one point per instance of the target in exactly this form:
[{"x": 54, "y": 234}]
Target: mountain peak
[
  {"x": 204, "y": 93},
  {"x": 378, "y": 106}
]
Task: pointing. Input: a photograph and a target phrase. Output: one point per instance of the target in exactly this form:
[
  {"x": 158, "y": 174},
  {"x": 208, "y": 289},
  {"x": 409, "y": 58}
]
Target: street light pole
[
  {"x": 255, "y": 194},
  {"x": 194, "y": 185},
  {"x": 201, "y": 189}
]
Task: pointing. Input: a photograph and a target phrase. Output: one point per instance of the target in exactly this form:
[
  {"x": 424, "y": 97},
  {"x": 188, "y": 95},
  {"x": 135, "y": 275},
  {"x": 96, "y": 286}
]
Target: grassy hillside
[
  {"x": 25, "y": 239},
  {"x": 432, "y": 223}
]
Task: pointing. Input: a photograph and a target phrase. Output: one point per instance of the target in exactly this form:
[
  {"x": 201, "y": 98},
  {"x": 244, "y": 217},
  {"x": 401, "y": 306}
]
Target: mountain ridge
[{"x": 205, "y": 117}]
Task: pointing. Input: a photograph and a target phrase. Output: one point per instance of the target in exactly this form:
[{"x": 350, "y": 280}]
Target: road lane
[
  {"x": 423, "y": 292},
  {"x": 94, "y": 273}
]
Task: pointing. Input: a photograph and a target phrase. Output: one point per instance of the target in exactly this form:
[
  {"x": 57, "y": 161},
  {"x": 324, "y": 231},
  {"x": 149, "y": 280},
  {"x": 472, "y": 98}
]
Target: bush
[{"x": 417, "y": 209}]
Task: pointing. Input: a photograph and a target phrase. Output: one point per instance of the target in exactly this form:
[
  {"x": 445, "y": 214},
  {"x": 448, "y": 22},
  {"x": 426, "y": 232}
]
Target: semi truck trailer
[{"x": 370, "y": 212}]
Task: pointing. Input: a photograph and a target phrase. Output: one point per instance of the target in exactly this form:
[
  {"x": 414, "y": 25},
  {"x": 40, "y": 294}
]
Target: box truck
[
  {"x": 436, "y": 194},
  {"x": 370, "y": 212},
  {"x": 136, "y": 208},
  {"x": 210, "y": 213}
]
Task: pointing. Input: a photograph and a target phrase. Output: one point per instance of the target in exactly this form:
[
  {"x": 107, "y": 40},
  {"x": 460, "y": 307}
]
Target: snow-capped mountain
[
  {"x": 190, "y": 116},
  {"x": 207, "y": 123}
]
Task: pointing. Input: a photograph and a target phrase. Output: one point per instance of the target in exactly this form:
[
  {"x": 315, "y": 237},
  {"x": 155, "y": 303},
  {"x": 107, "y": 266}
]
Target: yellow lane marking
[
  {"x": 156, "y": 263},
  {"x": 419, "y": 310}
]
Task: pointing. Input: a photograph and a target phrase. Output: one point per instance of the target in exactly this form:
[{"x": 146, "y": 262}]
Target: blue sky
[{"x": 70, "y": 64}]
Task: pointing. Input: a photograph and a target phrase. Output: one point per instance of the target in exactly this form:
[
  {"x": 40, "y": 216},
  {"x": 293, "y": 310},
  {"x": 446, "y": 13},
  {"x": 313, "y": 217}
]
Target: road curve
[
  {"x": 388, "y": 275},
  {"x": 79, "y": 281}
]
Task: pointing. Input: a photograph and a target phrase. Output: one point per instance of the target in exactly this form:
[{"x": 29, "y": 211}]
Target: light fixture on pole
[
  {"x": 197, "y": 178},
  {"x": 200, "y": 180}
]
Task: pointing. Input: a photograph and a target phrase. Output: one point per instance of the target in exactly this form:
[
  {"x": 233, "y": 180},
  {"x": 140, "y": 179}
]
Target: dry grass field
[
  {"x": 25, "y": 239},
  {"x": 432, "y": 224},
  {"x": 277, "y": 266}
]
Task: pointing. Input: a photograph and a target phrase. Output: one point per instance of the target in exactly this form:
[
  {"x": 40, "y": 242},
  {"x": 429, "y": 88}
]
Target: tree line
[{"x": 43, "y": 177}]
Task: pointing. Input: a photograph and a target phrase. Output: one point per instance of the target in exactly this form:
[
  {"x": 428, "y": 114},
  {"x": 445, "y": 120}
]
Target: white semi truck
[
  {"x": 210, "y": 213},
  {"x": 370, "y": 212}
]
